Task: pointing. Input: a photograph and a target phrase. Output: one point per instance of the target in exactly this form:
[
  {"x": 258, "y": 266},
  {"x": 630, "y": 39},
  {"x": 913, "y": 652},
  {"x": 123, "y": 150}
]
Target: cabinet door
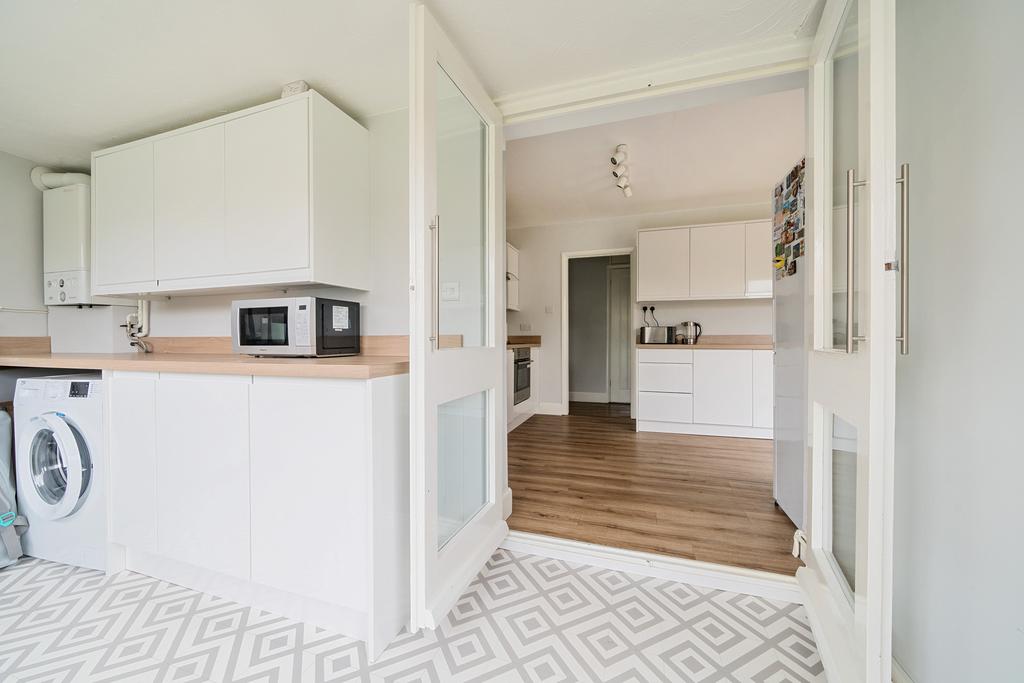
[
  {"x": 267, "y": 189},
  {"x": 310, "y": 454},
  {"x": 188, "y": 182},
  {"x": 202, "y": 427},
  {"x": 512, "y": 260},
  {"x": 716, "y": 261},
  {"x": 663, "y": 264},
  {"x": 764, "y": 388},
  {"x": 132, "y": 458},
  {"x": 758, "y": 261},
  {"x": 512, "y": 293},
  {"x": 723, "y": 387},
  {"x": 122, "y": 243}
]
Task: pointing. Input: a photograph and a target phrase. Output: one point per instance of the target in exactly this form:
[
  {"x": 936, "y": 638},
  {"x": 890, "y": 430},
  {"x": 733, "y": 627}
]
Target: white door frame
[{"x": 591, "y": 253}]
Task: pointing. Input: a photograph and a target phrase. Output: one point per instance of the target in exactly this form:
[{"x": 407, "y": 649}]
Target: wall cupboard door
[
  {"x": 764, "y": 388},
  {"x": 722, "y": 387},
  {"x": 511, "y": 260},
  {"x": 717, "y": 261},
  {"x": 512, "y": 293},
  {"x": 316, "y": 545},
  {"x": 123, "y": 228},
  {"x": 132, "y": 460},
  {"x": 663, "y": 264},
  {"x": 759, "y": 269},
  {"x": 188, "y": 182},
  {"x": 267, "y": 189},
  {"x": 203, "y": 465}
]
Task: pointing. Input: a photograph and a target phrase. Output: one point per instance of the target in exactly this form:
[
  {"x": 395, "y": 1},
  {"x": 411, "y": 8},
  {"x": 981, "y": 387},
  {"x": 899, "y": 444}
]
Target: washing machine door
[{"x": 54, "y": 472}]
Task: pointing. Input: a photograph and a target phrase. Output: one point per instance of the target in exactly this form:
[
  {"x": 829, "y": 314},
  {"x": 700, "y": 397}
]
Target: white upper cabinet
[
  {"x": 188, "y": 188},
  {"x": 717, "y": 261},
  {"x": 725, "y": 261},
  {"x": 511, "y": 277},
  {"x": 273, "y": 195},
  {"x": 511, "y": 260},
  {"x": 663, "y": 264},
  {"x": 759, "y": 269},
  {"x": 268, "y": 189},
  {"x": 122, "y": 227}
]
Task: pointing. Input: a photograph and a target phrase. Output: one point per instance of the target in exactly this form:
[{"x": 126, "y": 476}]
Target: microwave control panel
[{"x": 302, "y": 326}]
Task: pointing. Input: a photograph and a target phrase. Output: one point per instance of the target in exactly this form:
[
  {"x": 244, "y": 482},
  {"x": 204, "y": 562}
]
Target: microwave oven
[{"x": 295, "y": 326}]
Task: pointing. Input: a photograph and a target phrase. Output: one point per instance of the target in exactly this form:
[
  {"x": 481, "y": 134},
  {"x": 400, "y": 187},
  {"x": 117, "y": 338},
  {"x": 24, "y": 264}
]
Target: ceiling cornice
[{"x": 719, "y": 67}]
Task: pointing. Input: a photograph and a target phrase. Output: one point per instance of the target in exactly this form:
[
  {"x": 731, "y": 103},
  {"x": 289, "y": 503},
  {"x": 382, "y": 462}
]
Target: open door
[
  {"x": 848, "y": 577},
  {"x": 457, "y": 345}
]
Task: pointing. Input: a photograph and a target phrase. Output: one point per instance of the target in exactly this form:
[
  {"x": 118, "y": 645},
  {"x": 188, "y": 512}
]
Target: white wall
[
  {"x": 959, "y": 537},
  {"x": 385, "y": 308},
  {"x": 588, "y": 327},
  {"x": 540, "y": 268},
  {"x": 21, "y": 249}
]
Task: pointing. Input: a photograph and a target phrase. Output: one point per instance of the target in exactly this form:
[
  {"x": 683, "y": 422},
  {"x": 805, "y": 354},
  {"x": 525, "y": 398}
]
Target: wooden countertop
[
  {"x": 755, "y": 342},
  {"x": 350, "y": 367},
  {"x": 193, "y": 355},
  {"x": 523, "y": 341}
]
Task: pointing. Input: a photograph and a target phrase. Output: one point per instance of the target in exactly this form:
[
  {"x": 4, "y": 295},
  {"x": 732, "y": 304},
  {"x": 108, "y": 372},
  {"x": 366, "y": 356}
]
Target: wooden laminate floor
[{"x": 590, "y": 477}]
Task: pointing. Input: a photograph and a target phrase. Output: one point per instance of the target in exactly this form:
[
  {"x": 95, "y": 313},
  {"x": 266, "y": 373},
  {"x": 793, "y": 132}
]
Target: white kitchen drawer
[
  {"x": 664, "y": 355},
  {"x": 673, "y": 377},
  {"x": 664, "y": 407}
]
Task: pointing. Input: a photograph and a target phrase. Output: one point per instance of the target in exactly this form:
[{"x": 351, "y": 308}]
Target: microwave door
[{"x": 263, "y": 326}]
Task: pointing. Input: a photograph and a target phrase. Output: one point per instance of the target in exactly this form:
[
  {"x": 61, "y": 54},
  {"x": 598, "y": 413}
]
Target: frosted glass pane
[
  {"x": 844, "y": 498},
  {"x": 845, "y": 107},
  {"x": 462, "y": 210},
  {"x": 461, "y": 463}
]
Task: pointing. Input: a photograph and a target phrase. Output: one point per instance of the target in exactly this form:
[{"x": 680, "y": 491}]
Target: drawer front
[
  {"x": 664, "y": 355},
  {"x": 663, "y": 407},
  {"x": 677, "y": 377}
]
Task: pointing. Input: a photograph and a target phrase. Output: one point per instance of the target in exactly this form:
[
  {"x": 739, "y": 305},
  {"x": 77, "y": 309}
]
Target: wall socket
[{"x": 524, "y": 327}]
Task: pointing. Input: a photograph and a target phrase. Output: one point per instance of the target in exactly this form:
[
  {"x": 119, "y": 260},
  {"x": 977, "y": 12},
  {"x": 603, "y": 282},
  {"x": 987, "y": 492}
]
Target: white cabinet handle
[
  {"x": 904, "y": 182},
  {"x": 435, "y": 244}
]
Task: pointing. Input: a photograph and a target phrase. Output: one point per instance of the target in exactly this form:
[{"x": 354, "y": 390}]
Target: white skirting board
[
  {"x": 550, "y": 409},
  {"x": 517, "y": 420},
  {"x": 704, "y": 574},
  {"x": 345, "y": 620},
  {"x": 899, "y": 674},
  {"x": 703, "y": 430},
  {"x": 588, "y": 396}
]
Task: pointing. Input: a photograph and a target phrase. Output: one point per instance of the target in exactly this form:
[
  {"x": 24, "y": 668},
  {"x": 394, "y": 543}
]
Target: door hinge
[
  {"x": 799, "y": 543},
  {"x": 892, "y": 266}
]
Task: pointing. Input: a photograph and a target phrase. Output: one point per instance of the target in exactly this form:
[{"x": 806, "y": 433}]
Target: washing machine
[{"x": 61, "y": 468}]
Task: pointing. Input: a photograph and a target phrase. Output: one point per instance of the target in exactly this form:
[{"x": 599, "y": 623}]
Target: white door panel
[
  {"x": 722, "y": 387},
  {"x": 717, "y": 261},
  {"x": 457, "y": 347}
]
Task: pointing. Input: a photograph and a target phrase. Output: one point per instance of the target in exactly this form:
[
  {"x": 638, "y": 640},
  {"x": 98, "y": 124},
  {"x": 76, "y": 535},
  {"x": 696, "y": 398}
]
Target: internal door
[
  {"x": 457, "y": 345},
  {"x": 848, "y": 556}
]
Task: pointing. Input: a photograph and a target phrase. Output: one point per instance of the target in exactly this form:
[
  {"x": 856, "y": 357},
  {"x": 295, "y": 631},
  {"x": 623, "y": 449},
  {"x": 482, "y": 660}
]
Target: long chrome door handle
[
  {"x": 851, "y": 184},
  {"x": 435, "y": 322},
  {"x": 904, "y": 182}
]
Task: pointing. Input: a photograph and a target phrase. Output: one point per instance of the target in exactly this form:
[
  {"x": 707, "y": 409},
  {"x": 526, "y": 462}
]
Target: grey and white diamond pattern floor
[{"x": 524, "y": 618}]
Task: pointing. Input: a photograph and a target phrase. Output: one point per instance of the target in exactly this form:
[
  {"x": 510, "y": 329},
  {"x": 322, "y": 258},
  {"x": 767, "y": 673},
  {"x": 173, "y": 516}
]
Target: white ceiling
[
  {"x": 79, "y": 76},
  {"x": 727, "y": 153}
]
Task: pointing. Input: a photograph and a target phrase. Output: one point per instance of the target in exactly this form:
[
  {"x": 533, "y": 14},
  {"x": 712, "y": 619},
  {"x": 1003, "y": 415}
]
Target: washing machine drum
[{"x": 54, "y": 468}]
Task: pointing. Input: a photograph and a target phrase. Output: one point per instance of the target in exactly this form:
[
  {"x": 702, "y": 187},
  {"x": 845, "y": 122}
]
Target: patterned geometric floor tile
[{"x": 524, "y": 618}]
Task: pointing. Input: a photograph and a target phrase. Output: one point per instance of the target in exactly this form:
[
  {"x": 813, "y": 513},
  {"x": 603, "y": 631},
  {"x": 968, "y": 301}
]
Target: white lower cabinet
[
  {"x": 132, "y": 460},
  {"x": 718, "y": 392},
  {"x": 287, "y": 494},
  {"x": 307, "y": 486},
  {"x": 202, "y": 453}
]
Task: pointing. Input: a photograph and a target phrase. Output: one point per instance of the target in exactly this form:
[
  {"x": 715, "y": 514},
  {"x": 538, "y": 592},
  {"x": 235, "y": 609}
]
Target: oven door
[
  {"x": 265, "y": 327},
  {"x": 522, "y": 381}
]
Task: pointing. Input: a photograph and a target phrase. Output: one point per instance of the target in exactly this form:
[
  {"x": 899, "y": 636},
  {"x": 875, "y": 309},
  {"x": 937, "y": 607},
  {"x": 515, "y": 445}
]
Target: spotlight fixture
[
  {"x": 620, "y": 171},
  {"x": 619, "y": 156},
  {"x": 627, "y": 191},
  {"x": 623, "y": 183}
]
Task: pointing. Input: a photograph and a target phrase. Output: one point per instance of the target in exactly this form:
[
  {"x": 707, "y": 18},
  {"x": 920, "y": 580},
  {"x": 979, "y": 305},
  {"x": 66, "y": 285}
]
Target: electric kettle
[{"x": 688, "y": 332}]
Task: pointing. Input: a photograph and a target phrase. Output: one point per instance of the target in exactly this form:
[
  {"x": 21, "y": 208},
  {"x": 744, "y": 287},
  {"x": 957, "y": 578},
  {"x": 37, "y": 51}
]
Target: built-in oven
[
  {"x": 295, "y": 326},
  {"x": 522, "y": 376}
]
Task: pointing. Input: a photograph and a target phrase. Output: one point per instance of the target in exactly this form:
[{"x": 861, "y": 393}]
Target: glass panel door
[
  {"x": 457, "y": 341},
  {"x": 851, "y": 379}
]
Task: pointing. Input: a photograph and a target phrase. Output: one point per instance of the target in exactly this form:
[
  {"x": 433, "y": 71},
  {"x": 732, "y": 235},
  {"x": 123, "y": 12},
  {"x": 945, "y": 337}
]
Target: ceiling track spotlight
[
  {"x": 620, "y": 170},
  {"x": 620, "y": 155}
]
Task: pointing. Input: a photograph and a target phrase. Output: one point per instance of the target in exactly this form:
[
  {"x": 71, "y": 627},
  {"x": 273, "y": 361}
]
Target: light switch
[{"x": 450, "y": 291}]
